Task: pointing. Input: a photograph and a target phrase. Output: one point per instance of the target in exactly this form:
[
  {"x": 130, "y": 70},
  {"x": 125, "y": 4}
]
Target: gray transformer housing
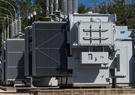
[
  {"x": 49, "y": 42},
  {"x": 14, "y": 60}
]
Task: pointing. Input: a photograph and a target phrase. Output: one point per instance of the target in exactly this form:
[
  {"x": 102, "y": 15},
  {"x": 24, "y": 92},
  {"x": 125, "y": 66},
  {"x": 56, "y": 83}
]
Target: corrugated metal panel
[
  {"x": 49, "y": 48},
  {"x": 15, "y": 59}
]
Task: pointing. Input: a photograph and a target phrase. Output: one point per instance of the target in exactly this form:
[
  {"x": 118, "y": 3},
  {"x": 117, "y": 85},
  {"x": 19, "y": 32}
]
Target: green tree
[{"x": 81, "y": 9}]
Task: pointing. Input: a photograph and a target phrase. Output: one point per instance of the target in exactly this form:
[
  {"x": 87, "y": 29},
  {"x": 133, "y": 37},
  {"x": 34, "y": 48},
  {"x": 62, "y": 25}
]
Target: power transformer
[
  {"x": 101, "y": 52},
  {"x": 91, "y": 46},
  {"x": 89, "y": 49}
]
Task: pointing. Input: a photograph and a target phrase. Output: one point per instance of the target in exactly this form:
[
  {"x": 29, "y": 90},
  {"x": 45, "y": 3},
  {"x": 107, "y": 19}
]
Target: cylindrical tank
[
  {"x": 75, "y": 6},
  {"x": 64, "y": 7},
  {"x": 47, "y": 8},
  {"x": 56, "y": 5},
  {"x": 69, "y": 7},
  {"x": 7, "y": 27},
  {"x": 4, "y": 29},
  {"x": 15, "y": 27},
  {"x": 51, "y": 7},
  {"x": 2, "y": 36},
  {"x": 2, "y": 32},
  {"x": 19, "y": 25}
]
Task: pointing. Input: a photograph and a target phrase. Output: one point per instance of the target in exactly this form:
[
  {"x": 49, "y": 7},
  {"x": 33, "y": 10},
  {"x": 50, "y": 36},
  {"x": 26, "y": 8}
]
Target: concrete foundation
[
  {"x": 119, "y": 91},
  {"x": 79, "y": 91}
]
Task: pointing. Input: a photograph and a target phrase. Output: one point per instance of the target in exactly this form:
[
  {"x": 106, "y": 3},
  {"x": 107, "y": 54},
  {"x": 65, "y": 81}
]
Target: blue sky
[{"x": 88, "y": 3}]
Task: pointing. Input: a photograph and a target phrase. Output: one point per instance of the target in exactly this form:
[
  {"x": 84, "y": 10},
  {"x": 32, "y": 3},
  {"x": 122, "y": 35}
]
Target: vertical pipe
[
  {"x": 2, "y": 33},
  {"x": 34, "y": 15},
  {"x": 56, "y": 5},
  {"x": 8, "y": 31},
  {"x": 2, "y": 37},
  {"x": 5, "y": 34},
  {"x": 15, "y": 27},
  {"x": 47, "y": 8},
  {"x": 75, "y": 6},
  {"x": 64, "y": 7},
  {"x": 19, "y": 25},
  {"x": 70, "y": 7},
  {"x": 19, "y": 22},
  {"x": 29, "y": 20},
  {"x": 12, "y": 30},
  {"x": 7, "y": 27},
  {"x": 51, "y": 7}
]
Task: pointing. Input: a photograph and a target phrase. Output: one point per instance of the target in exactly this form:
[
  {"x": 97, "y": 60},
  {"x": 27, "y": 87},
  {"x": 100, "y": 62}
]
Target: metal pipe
[
  {"x": 75, "y": 6},
  {"x": 51, "y": 7},
  {"x": 31, "y": 16},
  {"x": 5, "y": 32},
  {"x": 64, "y": 7},
  {"x": 34, "y": 15},
  {"x": 19, "y": 25},
  {"x": 2, "y": 36},
  {"x": 56, "y": 5},
  {"x": 47, "y": 8},
  {"x": 12, "y": 29},
  {"x": 9, "y": 17},
  {"x": 29, "y": 20},
  {"x": 5, "y": 27},
  {"x": 15, "y": 27},
  {"x": 8, "y": 28},
  {"x": 8, "y": 11},
  {"x": 69, "y": 7},
  {"x": 11, "y": 6}
]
